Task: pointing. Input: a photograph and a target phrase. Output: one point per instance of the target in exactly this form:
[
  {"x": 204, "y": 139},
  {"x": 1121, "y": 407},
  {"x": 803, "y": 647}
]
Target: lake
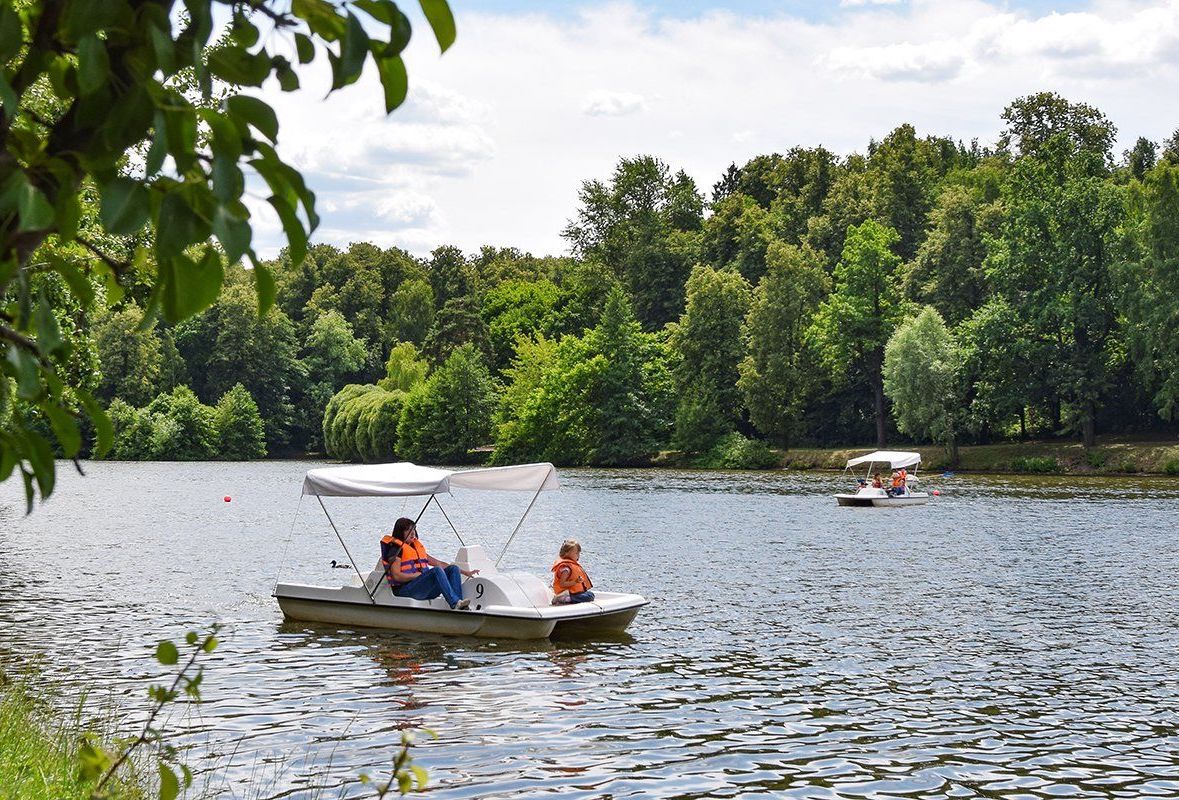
[{"x": 1017, "y": 637}]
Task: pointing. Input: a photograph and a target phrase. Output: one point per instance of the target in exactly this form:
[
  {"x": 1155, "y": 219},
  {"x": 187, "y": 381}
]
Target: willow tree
[{"x": 85, "y": 84}]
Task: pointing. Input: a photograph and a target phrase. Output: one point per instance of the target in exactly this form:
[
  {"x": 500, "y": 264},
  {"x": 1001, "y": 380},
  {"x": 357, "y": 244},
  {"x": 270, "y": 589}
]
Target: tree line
[{"x": 924, "y": 289}]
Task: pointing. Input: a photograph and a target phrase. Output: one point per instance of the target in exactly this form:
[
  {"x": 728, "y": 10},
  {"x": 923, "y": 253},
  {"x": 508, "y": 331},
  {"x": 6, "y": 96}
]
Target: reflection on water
[{"x": 1013, "y": 638}]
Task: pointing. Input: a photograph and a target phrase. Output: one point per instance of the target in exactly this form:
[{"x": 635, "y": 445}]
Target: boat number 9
[{"x": 479, "y": 589}]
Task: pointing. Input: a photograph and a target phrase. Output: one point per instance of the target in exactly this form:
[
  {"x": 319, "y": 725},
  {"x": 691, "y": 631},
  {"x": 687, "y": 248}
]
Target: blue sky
[{"x": 534, "y": 98}]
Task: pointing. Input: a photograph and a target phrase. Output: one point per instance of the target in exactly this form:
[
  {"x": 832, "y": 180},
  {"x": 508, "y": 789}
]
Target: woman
[{"x": 414, "y": 573}]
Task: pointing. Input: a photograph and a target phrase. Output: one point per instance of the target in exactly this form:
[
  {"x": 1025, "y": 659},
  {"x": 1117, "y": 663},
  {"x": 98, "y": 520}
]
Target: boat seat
[{"x": 473, "y": 557}]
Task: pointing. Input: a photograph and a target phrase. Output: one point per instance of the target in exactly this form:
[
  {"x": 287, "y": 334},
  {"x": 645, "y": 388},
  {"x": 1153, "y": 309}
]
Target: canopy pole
[
  {"x": 351, "y": 560},
  {"x": 515, "y": 530},
  {"x": 434, "y": 497}
]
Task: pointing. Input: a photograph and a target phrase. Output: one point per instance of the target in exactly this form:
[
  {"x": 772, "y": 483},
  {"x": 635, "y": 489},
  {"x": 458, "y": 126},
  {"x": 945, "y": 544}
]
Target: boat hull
[
  {"x": 489, "y": 617},
  {"x": 864, "y": 500}
]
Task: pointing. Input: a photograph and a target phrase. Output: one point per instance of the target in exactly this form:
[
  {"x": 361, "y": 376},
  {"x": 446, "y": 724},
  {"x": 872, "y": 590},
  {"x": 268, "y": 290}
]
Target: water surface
[{"x": 1013, "y": 638}]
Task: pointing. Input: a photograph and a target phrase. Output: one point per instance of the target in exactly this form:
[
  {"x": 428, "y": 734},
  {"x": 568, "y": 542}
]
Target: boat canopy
[
  {"x": 404, "y": 479},
  {"x": 894, "y": 458}
]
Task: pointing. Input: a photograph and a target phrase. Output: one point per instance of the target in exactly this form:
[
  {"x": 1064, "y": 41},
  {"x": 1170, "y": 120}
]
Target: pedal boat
[
  {"x": 503, "y": 605},
  {"x": 869, "y": 495}
]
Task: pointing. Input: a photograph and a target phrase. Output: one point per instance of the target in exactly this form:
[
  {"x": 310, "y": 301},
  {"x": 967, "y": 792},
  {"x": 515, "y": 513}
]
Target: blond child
[{"x": 570, "y": 583}]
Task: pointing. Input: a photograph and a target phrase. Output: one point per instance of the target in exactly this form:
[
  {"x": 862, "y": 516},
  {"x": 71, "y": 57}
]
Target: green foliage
[
  {"x": 644, "y": 227},
  {"x": 1172, "y": 467},
  {"x": 450, "y": 414},
  {"x": 778, "y": 373},
  {"x": 131, "y": 356},
  {"x": 855, "y": 322},
  {"x": 709, "y": 345},
  {"x": 184, "y": 429},
  {"x": 84, "y": 84},
  {"x": 39, "y": 754},
  {"x": 514, "y": 309},
  {"x": 457, "y": 323},
  {"x": 403, "y": 369},
  {"x": 340, "y": 421},
  {"x": 1034, "y": 464},
  {"x": 734, "y": 451},
  {"x": 1096, "y": 458},
  {"x": 239, "y": 426},
  {"x": 922, "y": 378},
  {"x": 134, "y": 433}
]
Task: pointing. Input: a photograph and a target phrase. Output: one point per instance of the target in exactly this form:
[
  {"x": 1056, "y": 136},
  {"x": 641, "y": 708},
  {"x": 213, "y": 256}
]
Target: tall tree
[
  {"x": 854, "y": 323},
  {"x": 1057, "y": 257},
  {"x": 922, "y": 377},
  {"x": 709, "y": 346},
  {"x": 450, "y": 414},
  {"x": 776, "y": 374},
  {"x": 642, "y": 225}
]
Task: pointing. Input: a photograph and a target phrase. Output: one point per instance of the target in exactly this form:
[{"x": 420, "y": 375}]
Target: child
[{"x": 570, "y": 583}]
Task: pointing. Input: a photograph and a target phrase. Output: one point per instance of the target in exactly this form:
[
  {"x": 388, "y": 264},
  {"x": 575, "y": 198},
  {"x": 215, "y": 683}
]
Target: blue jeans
[
  {"x": 581, "y": 597},
  {"x": 435, "y": 581}
]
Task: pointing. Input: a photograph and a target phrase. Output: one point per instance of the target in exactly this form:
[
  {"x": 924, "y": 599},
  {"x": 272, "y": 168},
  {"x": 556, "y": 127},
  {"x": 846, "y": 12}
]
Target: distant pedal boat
[
  {"x": 502, "y": 605},
  {"x": 869, "y": 495}
]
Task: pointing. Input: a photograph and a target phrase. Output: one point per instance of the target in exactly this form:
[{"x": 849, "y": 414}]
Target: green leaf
[
  {"x": 287, "y": 79},
  {"x": 34, "y": 209},
  {"x": 441, "y": 20},
  {"x": 28, "y": 383},
  {"x": 293, "y": 227},
  {"x": 178, "y": 226},
  {"x": 190, "y": 638},
  {"x": 39, "y": 454},
  {"x": 49, "y": 338},
  {"x": 232, "y": 230},
  {"x": 79, "y": 284},
  {"x": 65, "y": 428},
  {"x": 93, "y": 65},
  {"x": 125, "y": 206},
  {"x": 305, "y": 48},
  {"x": 169, "y": 783},
  {"x": 422, "y": 776},
  {"x": 353, "y": 50},
  {"x": 104, "y": 432},
  {"x": 166, "y": 653},
  {"x": 8, "y": 98},
  {"x": 191, "y": 286},
  {"x": 245, "y": 109},
  {"x": 235, "y": 65},
  {"x": 321, "y": 18},
  {"x": 264, "y": 285},
  {"x": 210, "y": 644},
  {"x": 394, "y": 80},
  {"x": 11, "y": 33}
]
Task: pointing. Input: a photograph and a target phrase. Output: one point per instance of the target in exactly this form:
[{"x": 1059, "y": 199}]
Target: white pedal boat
[
  {"x": 502, "y": 605},
  {"x": 869, "y": 495}
]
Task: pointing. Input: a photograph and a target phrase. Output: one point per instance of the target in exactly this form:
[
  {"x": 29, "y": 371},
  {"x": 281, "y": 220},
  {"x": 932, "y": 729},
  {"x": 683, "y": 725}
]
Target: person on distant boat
[
  {"x": 895, "y": 488},
  {"x": 414, "y": 573},
  {"x": 570, "y": 583},
  {"x": 877, "y": 483}
]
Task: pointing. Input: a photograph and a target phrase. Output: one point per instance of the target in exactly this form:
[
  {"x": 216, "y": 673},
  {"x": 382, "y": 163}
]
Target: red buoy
[
  {"x": 227, "y": 498},
  {"x": 936, "y": 493}
]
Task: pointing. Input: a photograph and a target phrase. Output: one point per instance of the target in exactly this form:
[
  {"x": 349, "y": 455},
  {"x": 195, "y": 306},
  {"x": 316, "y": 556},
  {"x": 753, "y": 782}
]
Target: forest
[{"x": 925, "y": 290}]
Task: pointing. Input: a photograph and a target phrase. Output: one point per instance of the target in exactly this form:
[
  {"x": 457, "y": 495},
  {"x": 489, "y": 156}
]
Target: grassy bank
[
  {"x": 1111, "y": 456},
  {"x": 39, "y": 750}
]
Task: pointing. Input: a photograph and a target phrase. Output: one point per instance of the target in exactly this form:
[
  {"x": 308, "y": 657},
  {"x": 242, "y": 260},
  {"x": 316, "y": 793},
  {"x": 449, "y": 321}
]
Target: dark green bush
[
  {"x": 734, "y": 451},
  {"x": 1096, "y": 458},
  {"x": 1035, "y": 464},
  {"x": 1172, "y": 467}
]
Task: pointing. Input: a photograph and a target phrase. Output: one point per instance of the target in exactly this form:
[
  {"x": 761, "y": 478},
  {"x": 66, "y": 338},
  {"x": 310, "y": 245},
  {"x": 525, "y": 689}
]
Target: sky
[{"x": 534, "y": 98}]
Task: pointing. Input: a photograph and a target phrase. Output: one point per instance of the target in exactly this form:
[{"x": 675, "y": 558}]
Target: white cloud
[
  {"x": 929, "y": 63},
  {"x": 613, "y": 104},
  {"x": 494, "y": 141},
  {"x": 860, "y": 3}
]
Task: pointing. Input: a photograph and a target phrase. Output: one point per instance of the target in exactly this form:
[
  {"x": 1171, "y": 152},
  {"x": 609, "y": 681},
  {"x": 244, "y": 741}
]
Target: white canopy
[
  {"x": 895, "y": 459},
  {"x": 404, "y": 479}
]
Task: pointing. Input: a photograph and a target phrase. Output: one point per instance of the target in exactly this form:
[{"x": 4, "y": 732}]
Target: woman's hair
[
  {"x": 401, "y": 526},
  {"x": 568, "y": 546}
]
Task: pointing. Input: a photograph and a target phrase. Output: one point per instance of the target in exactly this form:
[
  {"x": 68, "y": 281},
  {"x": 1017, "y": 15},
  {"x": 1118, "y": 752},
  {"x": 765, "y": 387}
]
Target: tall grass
[{"x": 39, "y": 750}]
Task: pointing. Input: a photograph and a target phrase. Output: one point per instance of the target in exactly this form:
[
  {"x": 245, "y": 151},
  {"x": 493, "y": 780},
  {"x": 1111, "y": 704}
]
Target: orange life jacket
[
  {"x": 412, "y": 555},
  {"x": 577, "y": 581},
  {"x": 896, "y": 480}
]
